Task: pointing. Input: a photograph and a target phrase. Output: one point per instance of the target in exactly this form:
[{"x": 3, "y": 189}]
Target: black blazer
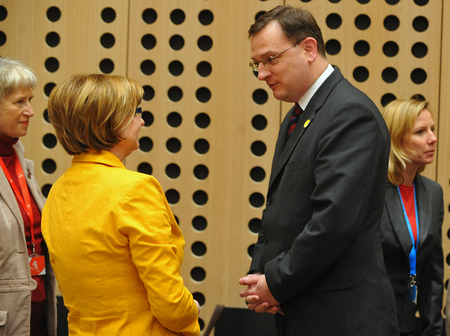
[
  {"x": 397, "y": 244},
  {"x": 320, "y": 243}
]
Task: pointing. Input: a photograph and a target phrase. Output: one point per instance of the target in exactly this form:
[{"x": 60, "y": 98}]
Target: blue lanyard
[{"x": 413, "y": 253}]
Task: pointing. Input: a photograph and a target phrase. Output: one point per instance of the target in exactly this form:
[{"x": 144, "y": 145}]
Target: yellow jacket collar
[{"x": 103, "y": 157}]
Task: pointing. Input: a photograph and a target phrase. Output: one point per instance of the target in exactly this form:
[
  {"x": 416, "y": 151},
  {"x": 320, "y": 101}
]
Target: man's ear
[{"x": 310, "y": 48}]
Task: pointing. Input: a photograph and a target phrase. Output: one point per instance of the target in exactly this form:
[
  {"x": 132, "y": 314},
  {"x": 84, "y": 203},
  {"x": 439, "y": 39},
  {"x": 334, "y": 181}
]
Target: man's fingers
[
  {"x": 274, "y": 310},
  {"x": 262, "y": 307},
  {"x": 252, "y": 299},
  {"x": 247, "y": 292},
  {"x": 248, "y": 280}
]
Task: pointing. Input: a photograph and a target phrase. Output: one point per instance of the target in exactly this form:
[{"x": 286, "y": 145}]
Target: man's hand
[{"x": 258, "y": 295}]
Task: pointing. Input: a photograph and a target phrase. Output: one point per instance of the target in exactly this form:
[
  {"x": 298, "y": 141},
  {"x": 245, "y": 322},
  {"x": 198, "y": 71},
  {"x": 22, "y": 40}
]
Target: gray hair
[{"x": 15, "y": 75}]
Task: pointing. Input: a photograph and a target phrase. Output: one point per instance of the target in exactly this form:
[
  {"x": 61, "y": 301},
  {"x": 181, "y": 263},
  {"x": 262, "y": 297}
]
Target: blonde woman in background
[
  {"x": 113, "y": 240},
  {"x": 412, "y": 219}
]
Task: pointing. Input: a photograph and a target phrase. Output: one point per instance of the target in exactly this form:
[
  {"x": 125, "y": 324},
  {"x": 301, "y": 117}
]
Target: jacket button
[
  {"x": 266, "y": 240},
  {"x": 269, "y": 201}
]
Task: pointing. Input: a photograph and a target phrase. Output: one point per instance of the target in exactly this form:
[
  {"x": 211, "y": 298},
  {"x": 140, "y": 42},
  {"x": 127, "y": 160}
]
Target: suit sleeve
[
  {"x": 257, "y": 265},
  {"x": 431, "y": 286},
  {"x": 348, "y": 172},
  {"x": 156, "y": 245}
]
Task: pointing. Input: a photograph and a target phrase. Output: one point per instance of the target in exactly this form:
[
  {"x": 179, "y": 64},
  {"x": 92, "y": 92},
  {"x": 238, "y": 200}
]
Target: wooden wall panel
[
  {"x": 443, "y": 122},
  {"x": 192, "y": 59},
  {"x": 58, "y": 39},
  {"x": 216, "y": 256}
]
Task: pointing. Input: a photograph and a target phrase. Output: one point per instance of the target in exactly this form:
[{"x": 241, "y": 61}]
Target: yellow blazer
[{"x": 117, "y": 250}]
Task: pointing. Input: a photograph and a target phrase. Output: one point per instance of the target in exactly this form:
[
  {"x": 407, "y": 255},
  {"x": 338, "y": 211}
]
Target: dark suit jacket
[
  {"x": 397, "y": 244},
  {"x": 320, "y": 243}
]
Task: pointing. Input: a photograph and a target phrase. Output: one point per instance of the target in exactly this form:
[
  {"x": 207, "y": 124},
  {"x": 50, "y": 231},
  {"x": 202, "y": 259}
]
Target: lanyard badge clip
[
  {"x": 412, "y": 291},
  {"x": 37, "y": 263}
]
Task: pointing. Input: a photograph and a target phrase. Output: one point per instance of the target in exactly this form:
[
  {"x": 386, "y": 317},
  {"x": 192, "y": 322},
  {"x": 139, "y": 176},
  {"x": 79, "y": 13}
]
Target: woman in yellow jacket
[{"x": 113, "y": 241}]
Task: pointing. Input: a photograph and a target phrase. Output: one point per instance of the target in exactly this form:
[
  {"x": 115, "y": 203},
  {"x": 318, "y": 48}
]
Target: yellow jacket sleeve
[{"x": 156, "y": 244}]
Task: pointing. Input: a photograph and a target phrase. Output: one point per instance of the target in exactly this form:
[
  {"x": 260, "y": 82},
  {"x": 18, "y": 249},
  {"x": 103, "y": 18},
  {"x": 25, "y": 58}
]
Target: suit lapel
[
  {"x": 7, "y": 192},
  {"x": 395, "y": 212},
  {"x": 281, "y": 141},
  {"x": 393, "y": 205},
  {"x": 285, "y": 145},
  {"x": 423, "y": 208},
  {"x": 9, "y": 198}
]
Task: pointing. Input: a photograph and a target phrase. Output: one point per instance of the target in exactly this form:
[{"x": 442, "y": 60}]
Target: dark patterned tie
[{"x": 296, "y": 113}]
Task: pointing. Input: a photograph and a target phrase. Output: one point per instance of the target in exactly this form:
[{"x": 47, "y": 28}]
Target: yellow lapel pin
[{"x": 306, "y": 123}]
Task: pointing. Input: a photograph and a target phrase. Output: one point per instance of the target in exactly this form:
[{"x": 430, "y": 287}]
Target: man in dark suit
[{"x": 318, "y": 263}]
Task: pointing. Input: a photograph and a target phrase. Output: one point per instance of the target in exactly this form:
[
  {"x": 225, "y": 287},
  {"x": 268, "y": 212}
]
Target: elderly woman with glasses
[
  {"x": 27, "y": 283},
  {"x": 113, "y": 240}
]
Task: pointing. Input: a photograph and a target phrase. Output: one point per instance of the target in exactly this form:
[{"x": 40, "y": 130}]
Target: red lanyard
[{"x": 25, "y": 201}]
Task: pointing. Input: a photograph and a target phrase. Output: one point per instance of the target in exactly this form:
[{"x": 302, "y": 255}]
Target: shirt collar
[{"x": 312, "y": 90}]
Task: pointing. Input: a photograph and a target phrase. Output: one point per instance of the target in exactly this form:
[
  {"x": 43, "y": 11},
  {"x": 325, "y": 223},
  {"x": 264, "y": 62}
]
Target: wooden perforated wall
[{"x": 210, "y": 125}]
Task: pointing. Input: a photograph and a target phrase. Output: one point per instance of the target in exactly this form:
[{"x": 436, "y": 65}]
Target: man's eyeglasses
[
  {"x": 271, "y": 60},
  {"x": 138, "y": 112}
]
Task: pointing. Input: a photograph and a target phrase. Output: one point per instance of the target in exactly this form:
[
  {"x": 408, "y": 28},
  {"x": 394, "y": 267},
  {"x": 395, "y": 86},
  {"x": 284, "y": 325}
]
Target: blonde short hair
[
  {"x": 400, "y": 116},
  {"x": 15, "y": 75},
  {"x": 89, "y": 111}
]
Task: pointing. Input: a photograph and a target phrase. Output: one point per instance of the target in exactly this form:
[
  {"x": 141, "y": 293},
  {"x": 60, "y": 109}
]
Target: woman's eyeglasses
[{"x": 138, "y": 112}]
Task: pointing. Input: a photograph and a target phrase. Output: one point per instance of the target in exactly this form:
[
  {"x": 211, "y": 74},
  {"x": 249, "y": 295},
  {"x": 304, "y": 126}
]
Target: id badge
[
  {"x": 37, "y": 264},
  {"x": 412, "y": 293}
]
